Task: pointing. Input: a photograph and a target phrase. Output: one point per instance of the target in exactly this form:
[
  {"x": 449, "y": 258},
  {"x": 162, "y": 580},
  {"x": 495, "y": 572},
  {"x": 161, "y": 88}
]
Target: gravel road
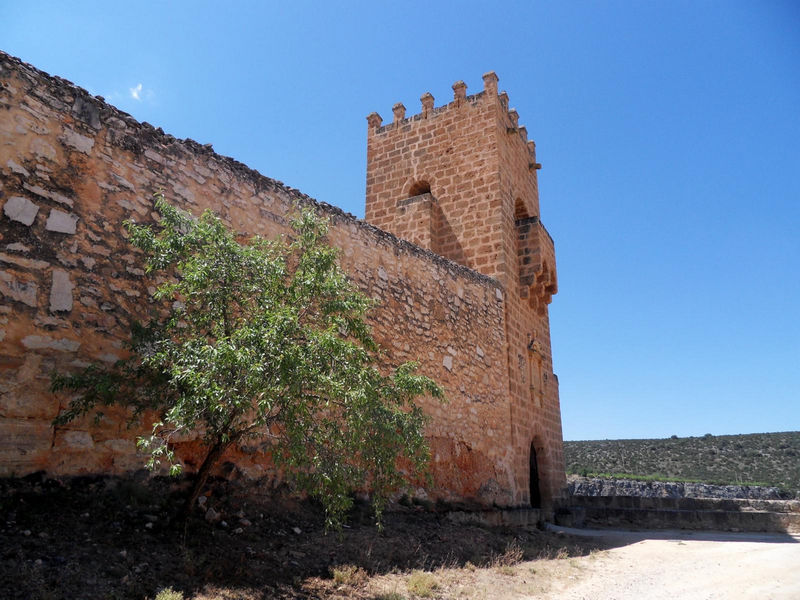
[{"x": 684, "y": 565}]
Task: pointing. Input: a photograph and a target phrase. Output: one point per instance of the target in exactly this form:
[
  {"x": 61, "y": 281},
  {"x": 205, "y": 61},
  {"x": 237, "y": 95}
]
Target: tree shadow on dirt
[{"x": 115, "y": 538}]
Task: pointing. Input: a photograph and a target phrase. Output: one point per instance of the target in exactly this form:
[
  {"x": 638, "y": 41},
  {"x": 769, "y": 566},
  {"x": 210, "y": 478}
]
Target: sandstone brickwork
[
  {"x": 72, "y": 168},
  {"x": 461, "y": 180}
]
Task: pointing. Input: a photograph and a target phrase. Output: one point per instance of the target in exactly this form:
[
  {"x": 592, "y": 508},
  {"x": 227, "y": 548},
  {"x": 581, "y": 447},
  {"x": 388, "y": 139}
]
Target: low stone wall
[
  {"x": 656, "y": 503},
  {"x": 660, "y": 505},
  {"x": 593, "y": 486}
]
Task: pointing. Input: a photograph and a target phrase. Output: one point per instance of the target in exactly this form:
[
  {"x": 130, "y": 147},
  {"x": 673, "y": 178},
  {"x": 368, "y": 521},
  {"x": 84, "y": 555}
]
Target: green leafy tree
[{"x": 265, "y": 339}]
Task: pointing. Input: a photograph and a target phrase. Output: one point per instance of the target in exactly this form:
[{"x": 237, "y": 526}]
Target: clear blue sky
[{"x": 669, "y": 134}]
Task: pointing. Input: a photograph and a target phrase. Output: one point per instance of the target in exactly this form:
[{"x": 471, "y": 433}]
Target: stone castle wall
[
  {"x": 461, "y": 180},
  {"x": 72, "y": 168}
]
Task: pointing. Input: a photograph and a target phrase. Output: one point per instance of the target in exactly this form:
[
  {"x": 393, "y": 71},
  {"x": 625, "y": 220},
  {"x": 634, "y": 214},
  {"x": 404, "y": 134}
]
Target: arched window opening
[
  {"x": 418, "y": 188},
  {"x": 536, "y": 494}
]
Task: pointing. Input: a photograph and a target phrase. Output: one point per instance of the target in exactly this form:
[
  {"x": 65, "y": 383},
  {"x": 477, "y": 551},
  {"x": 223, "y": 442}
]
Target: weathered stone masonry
[
  {"x": 72, "y": 168},
  {"x": 461, "y": 180}
]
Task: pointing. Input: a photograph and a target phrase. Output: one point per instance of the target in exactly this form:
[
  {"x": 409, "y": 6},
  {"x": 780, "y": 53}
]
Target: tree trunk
[{"x": 202, "y": 475}]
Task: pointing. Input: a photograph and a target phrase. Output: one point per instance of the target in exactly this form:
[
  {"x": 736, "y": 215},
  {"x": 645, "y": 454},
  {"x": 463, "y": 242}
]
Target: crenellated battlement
[
  {"x": 462, "y": 181},
  {"x": 455, "y": 152},
  {"x": 460, "y": 99}
]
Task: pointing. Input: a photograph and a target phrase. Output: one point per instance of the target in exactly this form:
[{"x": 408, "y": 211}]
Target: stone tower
[{"x": 461, "y": 181}]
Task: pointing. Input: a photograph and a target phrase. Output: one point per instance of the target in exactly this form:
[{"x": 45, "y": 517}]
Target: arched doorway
[{"x": 536, "y": 494}]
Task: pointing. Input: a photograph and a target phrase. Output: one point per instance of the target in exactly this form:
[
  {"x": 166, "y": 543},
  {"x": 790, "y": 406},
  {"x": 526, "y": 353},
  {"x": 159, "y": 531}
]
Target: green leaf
[{"x": 263, "y": 339}]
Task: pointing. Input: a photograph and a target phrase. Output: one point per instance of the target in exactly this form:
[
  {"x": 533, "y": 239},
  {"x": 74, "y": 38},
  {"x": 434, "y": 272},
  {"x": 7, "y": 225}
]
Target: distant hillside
[{"x": 758, "y": 458}]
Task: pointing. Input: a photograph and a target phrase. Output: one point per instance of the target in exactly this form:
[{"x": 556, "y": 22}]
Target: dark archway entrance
[
  {"x": 536, "y": 494},
  {"x": 420, "y": 187}
]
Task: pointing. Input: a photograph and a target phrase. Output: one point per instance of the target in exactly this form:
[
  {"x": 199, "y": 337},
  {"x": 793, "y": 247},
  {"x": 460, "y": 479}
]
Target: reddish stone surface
[
  {"x": 71, "y": 284},
  {"x": 461, "y": 180}
]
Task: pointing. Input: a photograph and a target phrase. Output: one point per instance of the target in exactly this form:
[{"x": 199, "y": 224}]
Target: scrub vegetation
[{"x": 769, "y": 459}]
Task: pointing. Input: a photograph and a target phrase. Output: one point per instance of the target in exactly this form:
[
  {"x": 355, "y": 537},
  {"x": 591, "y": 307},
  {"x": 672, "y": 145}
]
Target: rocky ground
[{"x": 110, "y": 538}]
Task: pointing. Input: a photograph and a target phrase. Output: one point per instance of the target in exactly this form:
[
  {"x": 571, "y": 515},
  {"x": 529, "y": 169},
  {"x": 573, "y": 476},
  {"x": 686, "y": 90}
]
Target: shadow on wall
[
  {"x": 535, "y": 492},
  {"x": 445, "y": 241}
]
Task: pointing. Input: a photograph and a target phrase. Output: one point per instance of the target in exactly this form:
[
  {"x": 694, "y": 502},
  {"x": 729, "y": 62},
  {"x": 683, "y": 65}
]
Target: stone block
[
  {"x": 37, "y": 190},
  {"x": 447, "y": 362},
  {"x": 17, "y": 289},
  {"x": 61, "y": 291},
  {"x": 120, "y": 446},
  {"x": 87, "y": 111},
  {"x": 71, "y": 439},
  {"x": 75, "y": 140},
  {"x": 61, "y": 222},
  {"x": 21, "y": 210},
  {"x": 41, "y": 149},
  {"x": 154, "y": 156},
  {"x": 45, "y": 342},
  {"x": 48, "y": 194},
  {"x": 27, "y": 263},
  {"x": 128, "y": 461},
  {"x": 88, "y": 262},
  {"x": 24, "y": 445},
  {"x": 15, "y": 168},
  {"x": 31, "y": 403}
]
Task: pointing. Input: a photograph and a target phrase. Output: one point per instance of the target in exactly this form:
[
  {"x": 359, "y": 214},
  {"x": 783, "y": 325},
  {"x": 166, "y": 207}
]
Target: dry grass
[
  {"x": 422, "y": 584},
  {"x": 507, "y": 575},
  {"x": 169, "y": 594},
  {"x": 512, "y": 555},
  {"x": 348, "y": 575},
  {"x": 390, "y": 596}
]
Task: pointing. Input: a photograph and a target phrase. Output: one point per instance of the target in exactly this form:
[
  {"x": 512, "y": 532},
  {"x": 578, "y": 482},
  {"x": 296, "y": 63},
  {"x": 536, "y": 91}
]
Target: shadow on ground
[
  {"x": 613, "y": 538},
  {"x": 113, "y": 538}
]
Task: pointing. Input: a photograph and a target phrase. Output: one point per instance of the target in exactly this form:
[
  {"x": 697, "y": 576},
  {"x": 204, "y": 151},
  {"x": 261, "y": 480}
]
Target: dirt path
[
  {"x": 684, "y": 565},
  {"x": 671, "y": 565}
]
